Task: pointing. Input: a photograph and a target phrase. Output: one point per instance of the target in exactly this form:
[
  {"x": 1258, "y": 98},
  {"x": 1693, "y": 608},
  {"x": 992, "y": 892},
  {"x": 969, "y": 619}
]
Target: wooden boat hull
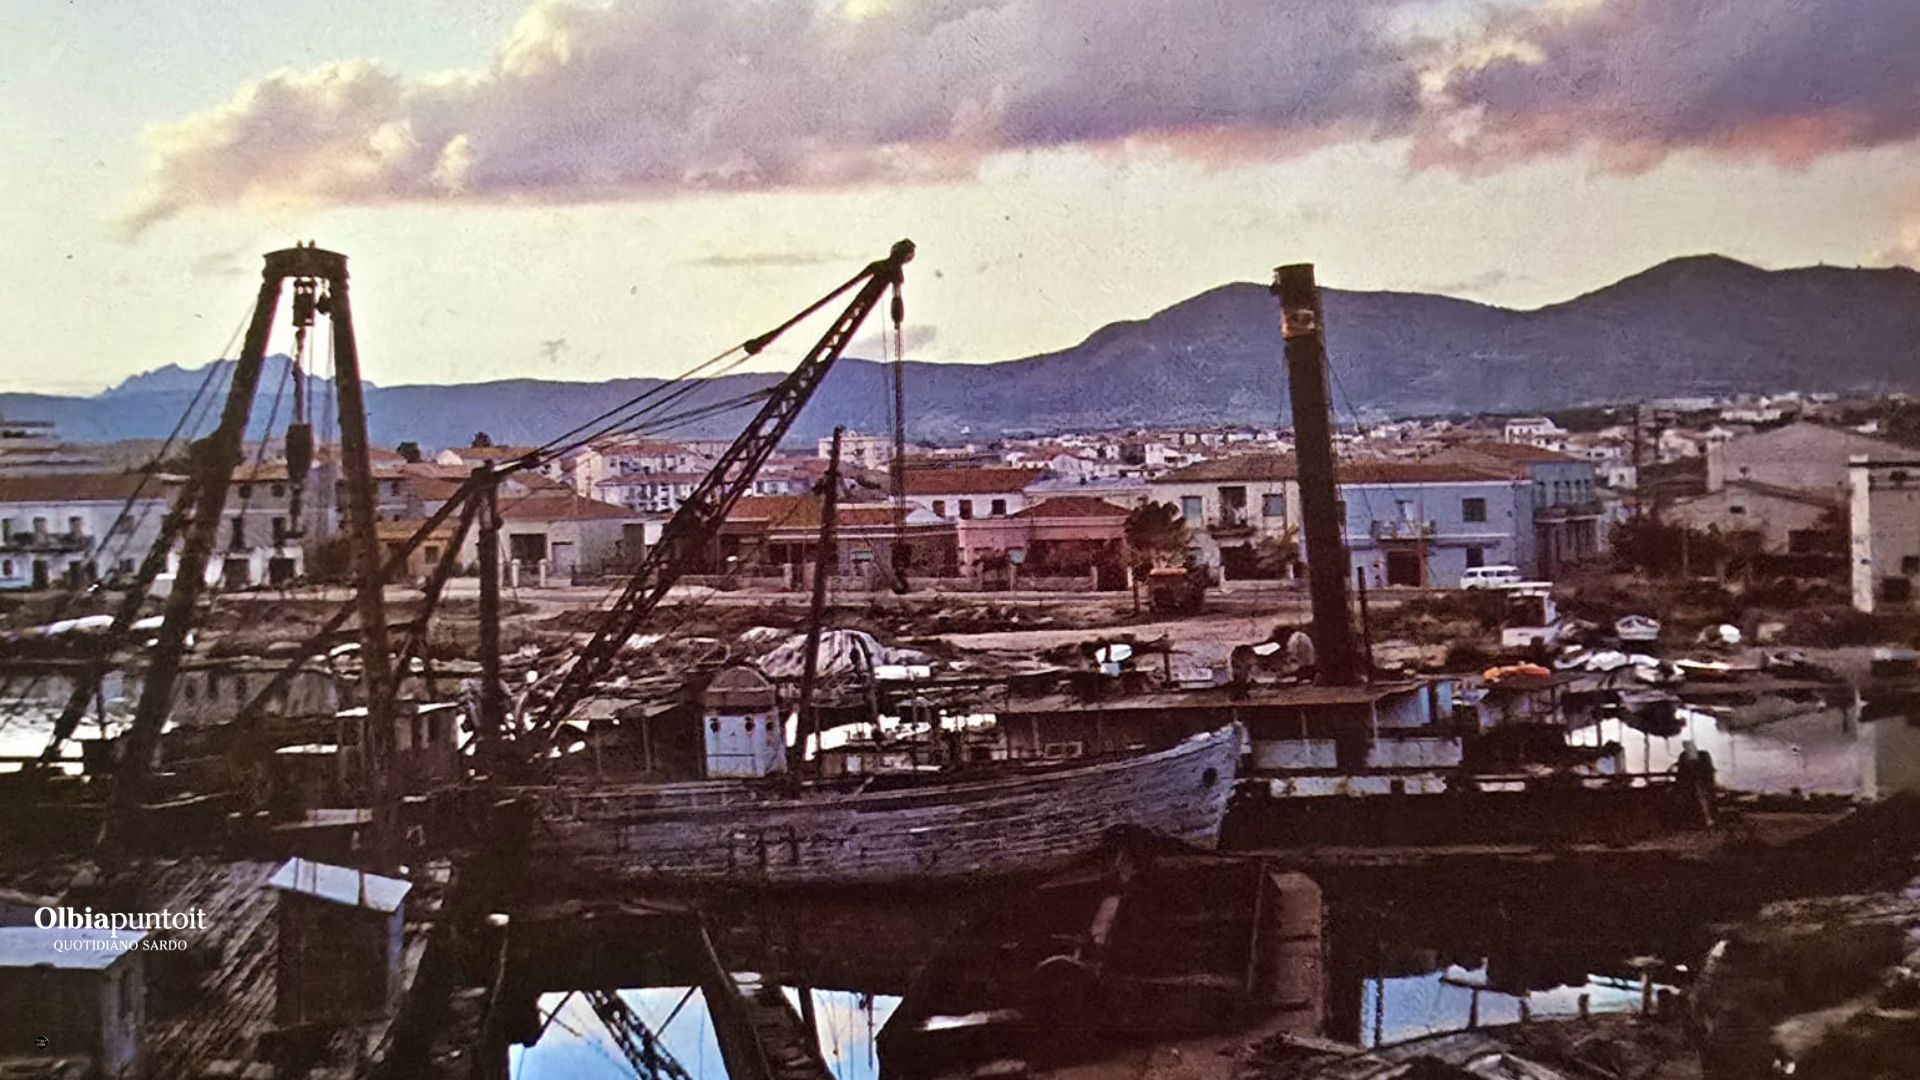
[{"x": 999, "y": 827}]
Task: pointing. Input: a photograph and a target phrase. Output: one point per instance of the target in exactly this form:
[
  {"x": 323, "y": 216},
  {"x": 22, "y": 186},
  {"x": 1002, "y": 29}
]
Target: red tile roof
[
  {"x": 968, "y": 481},
  {"x": 1416, "y": 472},
  {"x": 1518, "y": 452},
  {"x": 558, "y": 506},
  {"x": 785, "y": 512},
  {"x": 1072, "y": 506},
  {"x": 82, "y": 487},
  {"x": 1265, "y": 466}
]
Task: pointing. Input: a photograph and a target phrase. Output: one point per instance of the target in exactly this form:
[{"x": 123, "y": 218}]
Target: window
[
  {"x": 966, "y": 509},
  {"x": 238, "y": 537},
  {"x": 39, "y": 526},
  {"x": 279, "y": 530},
  {"x": 6, "y": 529},
  {"x": 393, "y": 487},
  {"x": 6, "y": 568},
  {"x": 76, "y": 526},
  {"x": 1476, "y": 557},
  {"x": 1274, "y": 506},
  {"x": 122, "y": 525},
  {"x": 246, "y": 491},
  {"x": 940, "y": 508},
  {"x": 1737, "y": 508},
  {"x": 1191, "y": 509},
  {"x": 279, "y": 491},
  {"x": 1473, "y": 509},
  {"x": 1910, "y": 565},
  {"x": 998, "y": 508}
]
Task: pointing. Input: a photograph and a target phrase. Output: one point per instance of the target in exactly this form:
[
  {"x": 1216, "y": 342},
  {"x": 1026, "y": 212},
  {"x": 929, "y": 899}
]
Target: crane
[{"x": 700, "y": 515}]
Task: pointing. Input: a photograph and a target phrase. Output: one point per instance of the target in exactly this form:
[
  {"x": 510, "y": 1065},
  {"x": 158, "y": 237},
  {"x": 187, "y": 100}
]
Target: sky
[{"x": 590, "y": 189}]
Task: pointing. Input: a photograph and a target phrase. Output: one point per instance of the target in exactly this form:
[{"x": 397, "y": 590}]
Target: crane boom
[{"x": 701, "y": 513}]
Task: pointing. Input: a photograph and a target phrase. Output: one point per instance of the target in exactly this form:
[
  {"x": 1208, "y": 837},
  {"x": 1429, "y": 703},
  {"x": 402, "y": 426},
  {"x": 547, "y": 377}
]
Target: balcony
[
  {"x": 1590, "y": 508},
  {"x": 1402, "y": 529},
  {"x": 1231, "y": 522},
  {"x": 47, "y": 543}
]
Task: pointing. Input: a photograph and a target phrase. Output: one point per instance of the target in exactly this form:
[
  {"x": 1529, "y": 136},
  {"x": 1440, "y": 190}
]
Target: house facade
[
  {"x": 1068, "y": 536},
  {"x": 961, "y": 494},
  {"x": 1424, "y": 524},
  {"x": 1570, "y": 520},
  {"x": 1231, "y": 503},
  {"x": 1884, "y": 520},
  {"x": 67, "y": 531}
]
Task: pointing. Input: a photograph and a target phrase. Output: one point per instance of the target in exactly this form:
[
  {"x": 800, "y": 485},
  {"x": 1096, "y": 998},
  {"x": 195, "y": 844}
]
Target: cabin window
[{"x": 1473, "y": 509}]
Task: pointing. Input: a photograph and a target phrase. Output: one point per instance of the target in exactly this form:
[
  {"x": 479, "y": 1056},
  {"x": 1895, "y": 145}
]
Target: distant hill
[{"x": 1697, "y": 325}]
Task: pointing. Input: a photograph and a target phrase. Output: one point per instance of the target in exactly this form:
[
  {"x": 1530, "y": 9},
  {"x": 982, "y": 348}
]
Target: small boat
[
  {"x": 1637, "y": 628},
  {"x": 1004, "y": 822}
]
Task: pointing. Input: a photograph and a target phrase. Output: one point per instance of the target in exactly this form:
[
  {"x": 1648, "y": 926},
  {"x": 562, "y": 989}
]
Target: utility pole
[
  {"x": 825, "y": 558},
  {"x": 492, "y": 703},
  {"x": 1327, "y": 560}
]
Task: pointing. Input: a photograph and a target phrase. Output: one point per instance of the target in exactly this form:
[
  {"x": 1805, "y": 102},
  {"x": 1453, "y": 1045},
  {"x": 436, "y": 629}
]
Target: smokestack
[{"x": 1327, "y": 561}]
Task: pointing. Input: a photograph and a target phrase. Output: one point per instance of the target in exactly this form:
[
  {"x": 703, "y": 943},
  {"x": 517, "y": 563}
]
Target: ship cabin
[
  {"x": 341, "y": 940},
  {"x": 743, "y": 736},
  {"x": 89, "y": 1003}
]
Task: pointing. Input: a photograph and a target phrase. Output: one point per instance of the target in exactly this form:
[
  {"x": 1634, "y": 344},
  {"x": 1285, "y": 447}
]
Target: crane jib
[{"x": 701, "y": 513}]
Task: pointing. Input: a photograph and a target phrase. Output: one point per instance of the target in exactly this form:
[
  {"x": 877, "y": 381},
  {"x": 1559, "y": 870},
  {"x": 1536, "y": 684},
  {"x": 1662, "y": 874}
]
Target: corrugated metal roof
[
  {"x": 31, "y": 946},
  {"x": 341, "y": 884}
]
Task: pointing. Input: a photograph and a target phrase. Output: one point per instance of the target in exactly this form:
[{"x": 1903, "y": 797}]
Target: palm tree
[{"x": 1157, "y": 535}]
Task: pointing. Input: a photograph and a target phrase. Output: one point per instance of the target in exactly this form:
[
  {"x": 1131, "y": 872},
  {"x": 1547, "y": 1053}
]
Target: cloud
[
  {"x": 640, "y": 98},
  {"x": 1783, "y": 81}
]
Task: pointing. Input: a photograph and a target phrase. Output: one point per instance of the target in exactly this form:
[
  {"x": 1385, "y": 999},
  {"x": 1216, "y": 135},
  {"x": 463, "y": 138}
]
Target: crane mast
[{"x": 701, "y": 513}]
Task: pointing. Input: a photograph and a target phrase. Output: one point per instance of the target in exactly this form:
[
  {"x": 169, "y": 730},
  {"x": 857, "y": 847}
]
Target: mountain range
[{"x": 1695, "y": 325}]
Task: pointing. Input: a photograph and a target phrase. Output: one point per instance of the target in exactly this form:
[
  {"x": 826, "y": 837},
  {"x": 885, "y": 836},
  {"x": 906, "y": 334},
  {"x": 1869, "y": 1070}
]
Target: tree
[
  {"x": 481, "y": 439},
  {"x": 409, "y": 450},
  {"x": 1157, "y": 535},
  {"x": 1274, "y": 556}
]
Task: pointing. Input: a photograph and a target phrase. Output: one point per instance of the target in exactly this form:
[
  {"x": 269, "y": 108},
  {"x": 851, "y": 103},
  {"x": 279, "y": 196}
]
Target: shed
[
  {"x": 85, "y": 990},
  {"x": 744, "y": 736},
  {"x": 340, "y": 942}
]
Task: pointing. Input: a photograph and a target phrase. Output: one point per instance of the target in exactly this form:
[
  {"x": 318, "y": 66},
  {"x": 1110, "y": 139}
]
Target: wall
[
  {"x": 1508, "y": 519},
  {"x": 107, "y": 550},
  {"x": 1885, "y": 520},
  {"x": 1212, "y": 507}
]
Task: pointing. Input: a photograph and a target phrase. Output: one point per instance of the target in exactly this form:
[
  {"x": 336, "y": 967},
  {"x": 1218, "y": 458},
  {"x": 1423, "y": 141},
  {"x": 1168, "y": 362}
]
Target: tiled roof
[
  {"x": 786, "y": 512},
  {"x": 1416, "y": 472},
  {"x": 1516, "y": 452},
  {"x": 558, "y": 506},
  {"x": 1234, "y": 467},
  {"x": 492, "y": 453},
  {"x": 967, "y": 481},
  {"x": 81, "y": 487},
  {"x": 1072, "y": 506}
]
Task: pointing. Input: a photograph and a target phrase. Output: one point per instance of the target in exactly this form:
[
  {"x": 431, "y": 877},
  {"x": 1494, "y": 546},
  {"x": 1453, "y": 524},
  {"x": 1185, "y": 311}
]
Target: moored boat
[{"x": 1000, "y": 822}]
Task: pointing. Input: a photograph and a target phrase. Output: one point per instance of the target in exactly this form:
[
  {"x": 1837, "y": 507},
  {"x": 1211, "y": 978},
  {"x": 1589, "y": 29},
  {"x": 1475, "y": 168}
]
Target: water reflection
[
  {"x": 1818, "y": 753},
  {"x": 577, "y": 1044},
  {"x": 1455, "y": 998}
]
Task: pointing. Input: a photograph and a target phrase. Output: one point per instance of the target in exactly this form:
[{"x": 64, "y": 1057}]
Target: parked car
[{"x": 1490, "y": 577}]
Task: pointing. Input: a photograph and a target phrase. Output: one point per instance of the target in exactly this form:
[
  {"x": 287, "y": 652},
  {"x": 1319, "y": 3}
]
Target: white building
[
  {"x": 1538, "y": 431},
  {"x": 1884, "y": 516},
  {"x": 73, "y": 529},
  {"x": 859, "y": 451}
]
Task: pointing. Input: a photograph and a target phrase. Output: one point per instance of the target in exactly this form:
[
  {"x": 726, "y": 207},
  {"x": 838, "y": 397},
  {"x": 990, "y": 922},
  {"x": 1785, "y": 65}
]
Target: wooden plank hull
[{"x": 730, "y": 834}]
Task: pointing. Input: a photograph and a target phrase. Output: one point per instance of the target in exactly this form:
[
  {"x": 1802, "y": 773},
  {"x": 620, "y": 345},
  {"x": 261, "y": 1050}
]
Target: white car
[{"x": 1490, "y": 577}]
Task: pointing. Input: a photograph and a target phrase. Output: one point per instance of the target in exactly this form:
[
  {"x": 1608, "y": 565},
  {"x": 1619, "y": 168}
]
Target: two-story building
[
  {"x": 1569, "y": 518},
  {"x": 1231, "y": 503},
  {"x": 1423, "y": 524},
  {"x": 962, "y": 493},
  {"x": 70, "y": 530},
  {"x": 1884, "y": 515}
]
